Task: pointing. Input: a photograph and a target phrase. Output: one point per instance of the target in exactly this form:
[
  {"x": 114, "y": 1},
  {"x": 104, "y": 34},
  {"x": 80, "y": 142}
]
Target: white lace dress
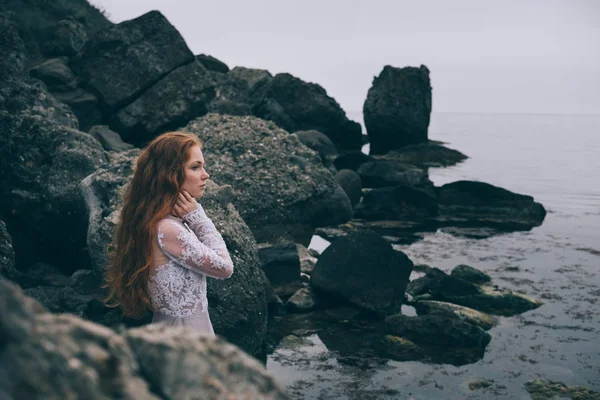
[{"x": 190, "y": 249}]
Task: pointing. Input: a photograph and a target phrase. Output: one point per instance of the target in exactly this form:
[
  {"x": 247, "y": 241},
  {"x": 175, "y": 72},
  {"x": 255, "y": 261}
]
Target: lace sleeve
[
  {"x": 204, "y": 228},
  {"x": 184, "y": 248}
]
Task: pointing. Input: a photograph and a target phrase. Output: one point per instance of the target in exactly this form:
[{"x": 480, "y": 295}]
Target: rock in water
[
  {"x": 398, "y": 108},
  {"x": 366, "y": 271}
]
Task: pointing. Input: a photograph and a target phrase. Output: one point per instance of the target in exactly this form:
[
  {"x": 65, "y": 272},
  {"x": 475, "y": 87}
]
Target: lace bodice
[{"x": 195, "y": 249}]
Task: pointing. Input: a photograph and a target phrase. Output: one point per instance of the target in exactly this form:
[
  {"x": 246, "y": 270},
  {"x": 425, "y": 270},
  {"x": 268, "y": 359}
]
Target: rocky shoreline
[{"x": 79, "y": 95}]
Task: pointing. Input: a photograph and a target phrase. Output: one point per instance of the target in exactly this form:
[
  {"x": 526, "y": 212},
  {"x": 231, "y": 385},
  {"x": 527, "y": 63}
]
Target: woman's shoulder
[{"x": 170, "y": 224}]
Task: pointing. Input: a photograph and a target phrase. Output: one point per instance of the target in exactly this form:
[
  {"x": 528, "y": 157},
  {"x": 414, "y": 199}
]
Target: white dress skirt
[{"x": 200, "y": 321}]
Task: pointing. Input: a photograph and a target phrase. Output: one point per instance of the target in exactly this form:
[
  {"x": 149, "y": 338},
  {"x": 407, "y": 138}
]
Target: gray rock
[
  {"x": 379, "y": 288},
  {"x": 438, "y": 331},
  {"x": 280, "y": 262},
  {"x": 173, "y": 101},
  {"x": 540, "y": 389},
  {"x": 470, "y": 274},
  {"x": 296, "y": 105},
  {"x": 42, "y": 164},
  {"x": 351, "y": 183},
  {"x": 401, "y": 202},
  {"x": 352, "y": 160},
  {"x": 109, "y": 139},
  {"x": 124, "y": 60},
  {"x": 213, "y": 368},
  {"x": 427, "y": 307},
  {"x": 57, "y": 76},
  {"x": 61, "y": 356},
  {"x": 85, "y": 106},
  {"x": 280, "y": 198},
  {"x": 7, "y": 253},
  {"x": 398, "y": 108},
  {"x": 481, "y": 204},
  {"x": 302, "y": 301},
  {"x": 255, "y": 78},
  {"x": 389, "y": 173},
  {"x": 14, "y": 53},
  {"x": 65, "y": 38},
  {"x": 212, "y": 64},
  {"x": 319, "y": 143},
  {"x": 238, "y": 306},
  {"x": 307, "y": 259},
  {"x": 400, "y": 349},
  {"x": 232, "y": 95},
  {"x": 425, "y": 155}
]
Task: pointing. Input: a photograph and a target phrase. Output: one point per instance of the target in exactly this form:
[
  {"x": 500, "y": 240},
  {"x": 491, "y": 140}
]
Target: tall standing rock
[
  {"x": 126, "y": 59},
  {"x": 398, "y": 108}
]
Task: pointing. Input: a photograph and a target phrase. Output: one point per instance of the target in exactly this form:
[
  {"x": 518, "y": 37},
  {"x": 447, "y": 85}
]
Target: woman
[{"x": 165, "y": 245}]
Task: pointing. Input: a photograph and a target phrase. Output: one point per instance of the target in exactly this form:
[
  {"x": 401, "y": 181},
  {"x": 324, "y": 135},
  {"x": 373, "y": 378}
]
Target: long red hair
[{"x": 150, "y": 197}]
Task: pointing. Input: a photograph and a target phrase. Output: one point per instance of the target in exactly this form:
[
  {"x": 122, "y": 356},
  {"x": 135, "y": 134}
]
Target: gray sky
[{"x": 537, "y": 56}]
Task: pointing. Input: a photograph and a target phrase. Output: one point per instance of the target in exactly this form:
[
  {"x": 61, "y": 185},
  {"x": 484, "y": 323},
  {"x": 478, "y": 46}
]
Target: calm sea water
[{"x": 555, "y": 159}]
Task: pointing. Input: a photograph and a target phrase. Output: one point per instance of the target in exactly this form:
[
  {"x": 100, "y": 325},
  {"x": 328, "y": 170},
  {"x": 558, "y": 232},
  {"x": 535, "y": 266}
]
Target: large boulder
[
  {"x": 232, "y": 95},
  {"x": 319, "y": 143},
  {"x": 65, "y": 38},
  {"x": 351, "y": 183},
  {"x": 41, "y": 164},
  {"x": 212, "y": 64},
  {"x": 254, "y": 78},
  {"x": 237, "y": 305},
  {"x": 296, "y": 105},
  {"x": 481, "y": 204},
  {"x": 61, "y": 356},
  {"x": 363, "y": 269},
  {"x": 124, "y": 60},
  {"x": 282, "y": 188},
  {"x": 179, "y": 97},
  {"x": 398, "y": 108}
]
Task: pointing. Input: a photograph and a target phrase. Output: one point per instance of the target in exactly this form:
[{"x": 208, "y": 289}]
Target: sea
[{"x": 556, "y": 160}]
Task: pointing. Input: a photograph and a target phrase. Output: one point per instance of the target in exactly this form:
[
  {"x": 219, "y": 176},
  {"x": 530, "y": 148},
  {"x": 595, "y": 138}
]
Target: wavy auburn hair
[{"x": 151, "y": 195}]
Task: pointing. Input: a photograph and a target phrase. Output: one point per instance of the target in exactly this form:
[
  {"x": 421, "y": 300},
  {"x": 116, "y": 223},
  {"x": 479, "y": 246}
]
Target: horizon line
[{"x": 510, "y": 113}]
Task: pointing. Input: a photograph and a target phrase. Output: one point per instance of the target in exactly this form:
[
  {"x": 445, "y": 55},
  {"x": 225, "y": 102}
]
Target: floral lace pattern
[{"x": 178, "y": 287}]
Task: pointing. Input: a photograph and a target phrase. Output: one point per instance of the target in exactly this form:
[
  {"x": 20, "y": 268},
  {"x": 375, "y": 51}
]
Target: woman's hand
[{"x": 185, "y": 204}]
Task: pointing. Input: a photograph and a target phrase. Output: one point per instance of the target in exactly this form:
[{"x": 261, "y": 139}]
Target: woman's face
[{"x": 195, "y": 174}]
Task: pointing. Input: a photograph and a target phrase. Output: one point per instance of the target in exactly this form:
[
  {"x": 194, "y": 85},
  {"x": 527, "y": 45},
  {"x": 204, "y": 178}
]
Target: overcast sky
[{"x": 536, "y": 56}]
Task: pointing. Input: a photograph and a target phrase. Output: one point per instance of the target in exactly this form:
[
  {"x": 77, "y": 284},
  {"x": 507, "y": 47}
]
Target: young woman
[{"x": 165, "y": 245}]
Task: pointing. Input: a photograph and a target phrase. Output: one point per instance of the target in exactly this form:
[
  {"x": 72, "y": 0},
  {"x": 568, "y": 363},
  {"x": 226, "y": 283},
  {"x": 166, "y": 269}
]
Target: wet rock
[
  {"x": 42, "y": 274},
  {"x": 43, "y": 163},
  {"x": 436, "y": 285},
  {"x": 484, "y": 321},
  {"x": 437, "y": 331},
  {"x": 377, "y": 174},
  {"x": 400, "y": 202},
  {"x": 398, "y": 108},
  {"x": 14, "y": 54},
  {"x": 124, "y": 60},
  {"x": 481, "y": 204},
  {"x": 400, "y": 349},
  {"x": 293, "y": 342},
  {"x": 342, "y": 313},
  {"x": 340, "y": 271},
  {"x": 238, "y": 306},
  {"x": 65, "y": 38},
  {"x": 480, "y": 384},
  {"x": 425, "y": 155},
  {"x": 280, "y": 262},
  {"x": 351, "y": 183},
  {"x": 56, "y": 75},
  {"x": 352, "y": 160},
  {"x": 302, "y": 301},
  {"x": 540, "y": 389},
  {"x": 296, "y": 105},
  {"x": 109, "y": 139},
  {"x": 280, "y": 199},
  {"x": 173, "y": 101},
  {"x": 470, "y": 274},
  {"x": 320, "y": 143},
  {"x": 212, "y": 64},
  {"x": 7, "y": 253},
  {"x": 307, "y": 259}
]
